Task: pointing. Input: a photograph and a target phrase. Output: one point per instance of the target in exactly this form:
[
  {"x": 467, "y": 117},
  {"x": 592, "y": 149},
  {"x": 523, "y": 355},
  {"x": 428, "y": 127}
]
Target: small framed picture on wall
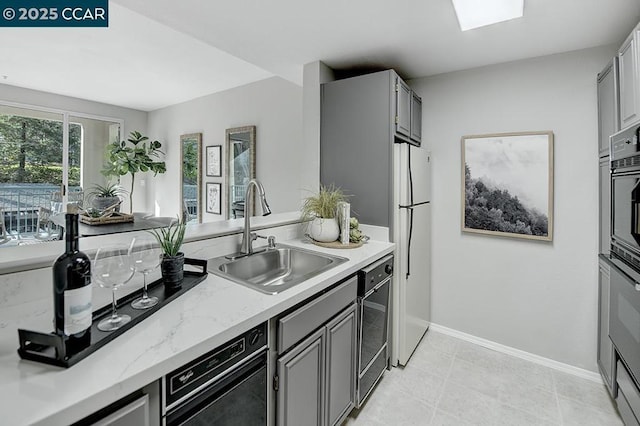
[
  {"x": 213, "y": 198},
  {"x": 214, "y": 161}
]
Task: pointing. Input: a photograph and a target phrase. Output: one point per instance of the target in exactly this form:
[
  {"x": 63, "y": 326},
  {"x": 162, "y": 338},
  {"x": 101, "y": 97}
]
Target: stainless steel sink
[{"x": 274, "y": 270}]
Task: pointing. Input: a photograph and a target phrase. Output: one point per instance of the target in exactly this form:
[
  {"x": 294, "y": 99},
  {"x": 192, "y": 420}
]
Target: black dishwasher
[
  {"x": 224, "y": 387},
  {"x": 374, "y": 286}
]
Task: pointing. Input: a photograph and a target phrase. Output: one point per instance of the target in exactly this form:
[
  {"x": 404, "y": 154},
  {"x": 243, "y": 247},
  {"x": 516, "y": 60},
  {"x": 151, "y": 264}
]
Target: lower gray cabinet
[
  {"x": 341, "y": 366},
  {"x": 605, "y": 347},
  {"x": 135, "y": 413},
  {"x": 316, "y": 378},
  {"x": 605, "y": 206},
  {"x": 301, "y": 383}
]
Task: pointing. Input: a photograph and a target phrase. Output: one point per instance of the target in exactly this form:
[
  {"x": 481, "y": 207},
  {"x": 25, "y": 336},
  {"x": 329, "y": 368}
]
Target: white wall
[
  {"x": 133, "y": 119},
  {"x": 315, "y": 73},
  {"x": 273, "y": 105},
  {"x": 534, "y": 296}
]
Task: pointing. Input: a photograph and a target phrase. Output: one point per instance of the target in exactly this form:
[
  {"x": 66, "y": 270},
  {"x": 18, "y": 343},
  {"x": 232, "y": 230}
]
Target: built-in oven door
[
  {"x": 237, "y": 398},
  {"x": 374, "y": 313},
  {"x": 625, "y": 198},
  {"x": 624, "y": 316}
]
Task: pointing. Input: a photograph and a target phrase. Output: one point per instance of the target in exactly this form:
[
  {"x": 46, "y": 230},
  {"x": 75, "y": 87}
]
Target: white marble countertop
[{"x": 198, "y": 321}]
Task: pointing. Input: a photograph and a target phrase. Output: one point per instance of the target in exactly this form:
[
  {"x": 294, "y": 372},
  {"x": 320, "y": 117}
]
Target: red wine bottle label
[{"x": 77, "y": 310}]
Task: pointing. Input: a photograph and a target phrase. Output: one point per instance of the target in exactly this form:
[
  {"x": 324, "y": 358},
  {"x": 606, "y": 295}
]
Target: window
[{"x": 48, "y": 158}]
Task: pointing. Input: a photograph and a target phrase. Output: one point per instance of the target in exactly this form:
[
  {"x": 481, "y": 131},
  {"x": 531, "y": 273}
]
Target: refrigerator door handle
[
  {"x": 409, "y": 242},
  {"x": 410, "y": 206}
]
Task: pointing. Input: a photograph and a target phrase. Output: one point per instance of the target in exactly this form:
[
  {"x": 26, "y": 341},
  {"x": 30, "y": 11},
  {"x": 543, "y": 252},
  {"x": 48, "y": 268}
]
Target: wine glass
[
  {"x": 145, "y": 254},
  {"x": 112, "y": 269}
]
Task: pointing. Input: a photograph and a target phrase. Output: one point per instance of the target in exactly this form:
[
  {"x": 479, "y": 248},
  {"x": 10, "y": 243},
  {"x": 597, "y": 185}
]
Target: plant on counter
[
  {"x": 320, "y": 209},
  {"x": 324, "y": 204},
  {"x": 355, "y": 234},
  {"x": 172, "y": 264},
  {"x": 132, "y": 156},
  {"x": 105, "y": 196}
]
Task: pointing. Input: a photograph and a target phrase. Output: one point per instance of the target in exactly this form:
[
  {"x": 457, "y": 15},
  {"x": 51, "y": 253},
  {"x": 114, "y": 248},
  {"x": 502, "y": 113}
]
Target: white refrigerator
[{"x": 411, "y": 311}]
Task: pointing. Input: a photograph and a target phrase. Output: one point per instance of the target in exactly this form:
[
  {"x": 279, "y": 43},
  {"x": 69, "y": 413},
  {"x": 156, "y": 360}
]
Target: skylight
[{"x": 479, "y": 13}]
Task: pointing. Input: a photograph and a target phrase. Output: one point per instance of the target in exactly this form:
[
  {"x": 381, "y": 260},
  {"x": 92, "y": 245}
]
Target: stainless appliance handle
[
  {"x": 630, "y": 275},
  {"x": 377, "y": 287}
]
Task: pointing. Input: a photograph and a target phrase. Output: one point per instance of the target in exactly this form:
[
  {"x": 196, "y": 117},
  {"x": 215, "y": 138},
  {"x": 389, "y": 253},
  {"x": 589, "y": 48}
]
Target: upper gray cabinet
[
  {"x": 403, "y": 108},
  {"x": 408, "y": 117},
  {"x": 629, "y": 79},
  {"x": 608, "y": 110},
  {"x": 416, "y": 118}
]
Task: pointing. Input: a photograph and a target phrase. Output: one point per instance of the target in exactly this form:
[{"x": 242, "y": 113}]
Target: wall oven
[
  {"x": 224, "y": 387},
  {"x": 624, "y": 290},
  {"x": 625, "y": 195}
]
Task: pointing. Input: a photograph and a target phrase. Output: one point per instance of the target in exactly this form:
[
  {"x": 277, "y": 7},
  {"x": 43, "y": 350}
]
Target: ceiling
[{"x": 160, "y": 52}]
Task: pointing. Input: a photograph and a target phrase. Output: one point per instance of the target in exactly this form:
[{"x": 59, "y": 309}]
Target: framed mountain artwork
[{"x": 507, "y": 185}]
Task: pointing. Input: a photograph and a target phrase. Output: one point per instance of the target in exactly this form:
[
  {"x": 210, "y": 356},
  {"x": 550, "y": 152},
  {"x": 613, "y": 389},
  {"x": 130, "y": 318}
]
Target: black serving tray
[{"x": 49, "y": 348}]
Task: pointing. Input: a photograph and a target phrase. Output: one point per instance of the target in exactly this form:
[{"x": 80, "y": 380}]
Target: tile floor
[{"x": 453, "y": 382}]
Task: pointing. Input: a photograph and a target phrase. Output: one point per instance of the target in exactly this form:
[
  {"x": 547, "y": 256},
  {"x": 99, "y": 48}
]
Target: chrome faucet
[{"x": 248, "y": 237}]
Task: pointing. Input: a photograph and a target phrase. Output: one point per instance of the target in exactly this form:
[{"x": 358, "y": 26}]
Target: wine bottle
[{"x": 72, "y": 292}]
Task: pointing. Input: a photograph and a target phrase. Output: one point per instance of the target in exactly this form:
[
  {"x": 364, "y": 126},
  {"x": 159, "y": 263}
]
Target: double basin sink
[{"x": 274, "y": 270}]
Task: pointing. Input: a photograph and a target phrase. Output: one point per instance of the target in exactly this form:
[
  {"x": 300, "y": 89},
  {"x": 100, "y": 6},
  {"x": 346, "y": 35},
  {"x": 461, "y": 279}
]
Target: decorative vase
[
  {"x": 172, "y": 268},
  {"x": 101, "y": 203},
  {"x": 324, "y": 230}
]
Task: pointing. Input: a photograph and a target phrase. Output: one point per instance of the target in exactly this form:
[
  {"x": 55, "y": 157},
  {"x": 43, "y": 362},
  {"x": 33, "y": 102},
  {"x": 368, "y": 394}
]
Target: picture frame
[
  {"x": 214, "y": 161},
  {"x": 214, "y": 197},
  {"x": 507, "y": 185}
]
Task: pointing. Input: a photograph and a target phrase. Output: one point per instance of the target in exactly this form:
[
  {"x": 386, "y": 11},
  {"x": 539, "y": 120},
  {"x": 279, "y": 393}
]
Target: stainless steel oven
[
  {"x": 624, "y": 291},
  {"x": 224, "y": 387},
  {"x": 624, "y": 315},
  {"x": 625, "y": 195},
  {"x": 624, "y": 331}
]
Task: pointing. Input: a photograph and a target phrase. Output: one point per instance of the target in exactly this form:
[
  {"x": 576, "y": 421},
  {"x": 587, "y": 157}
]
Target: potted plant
[
  {"x": 132, "y": 156},
  {"x": 172, "y": 264},
  {"x": 104, "y": 196},
  {"x": 320, "y": 209}
]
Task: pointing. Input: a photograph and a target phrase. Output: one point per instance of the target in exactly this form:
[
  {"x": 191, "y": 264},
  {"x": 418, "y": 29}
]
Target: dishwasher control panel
[
  {"x": 372, "y": 275},
  {"x": 197, "y": 373}
]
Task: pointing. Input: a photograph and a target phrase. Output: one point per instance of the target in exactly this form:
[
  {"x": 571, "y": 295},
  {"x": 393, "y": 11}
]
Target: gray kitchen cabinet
[
  {"x": 301, "y": 383},
  {"x": 366, "y": 107},
  {"x": 140, "y": 408},
  {"x": 608, "y": 110},
  {"x": 629, "y": 75},
  {"x": 135, "y": 413},
  {"x": 408, "y": 113},
  {"x": 316, "y": 368},
  {"x": 341, "y": 366},
  {"x": 606, "y": 357},
  {"x": 403, "y": 108},
  {"x": 416, "y": 117},
  {"x": 604, "y": 238}
]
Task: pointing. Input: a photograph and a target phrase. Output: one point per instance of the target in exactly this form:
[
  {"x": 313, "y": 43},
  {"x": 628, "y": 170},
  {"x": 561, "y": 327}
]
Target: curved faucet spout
[{"x": 247, "y": 239}]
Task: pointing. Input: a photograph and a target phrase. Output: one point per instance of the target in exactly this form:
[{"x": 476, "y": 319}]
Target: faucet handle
[{"x": 271, "y": 240}]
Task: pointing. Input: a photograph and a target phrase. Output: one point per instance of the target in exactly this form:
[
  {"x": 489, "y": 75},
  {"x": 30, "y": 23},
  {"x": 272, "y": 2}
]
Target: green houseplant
[
  {"x": 320, "y": 210},
  {"x": 107, "y": 195},
  {"x": 172, "y": 264},
  {"x": 136, "y": 154}
]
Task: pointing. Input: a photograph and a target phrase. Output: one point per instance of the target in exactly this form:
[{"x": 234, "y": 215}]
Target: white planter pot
[{"x": 324, "y": 230}]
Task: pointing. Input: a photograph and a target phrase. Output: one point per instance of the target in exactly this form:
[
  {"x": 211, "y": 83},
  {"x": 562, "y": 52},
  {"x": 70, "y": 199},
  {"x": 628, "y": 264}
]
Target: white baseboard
[{"x": 547, "y": 362}]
